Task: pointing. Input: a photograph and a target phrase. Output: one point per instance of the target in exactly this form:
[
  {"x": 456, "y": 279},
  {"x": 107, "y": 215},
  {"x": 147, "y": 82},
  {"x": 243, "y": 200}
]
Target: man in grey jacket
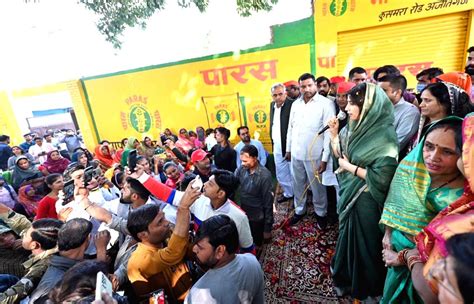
[{"x": 73, "y": 240}]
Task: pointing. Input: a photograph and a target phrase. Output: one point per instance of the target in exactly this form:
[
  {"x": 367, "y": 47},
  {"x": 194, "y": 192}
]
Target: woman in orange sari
[{"x": 103, "y": 155}]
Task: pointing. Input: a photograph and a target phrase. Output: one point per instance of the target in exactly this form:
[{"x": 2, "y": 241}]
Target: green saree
[
  {"x": 129, "y": 147},
  {"x": 370, "y": 143},
  {"x": 409, "y": 207}
]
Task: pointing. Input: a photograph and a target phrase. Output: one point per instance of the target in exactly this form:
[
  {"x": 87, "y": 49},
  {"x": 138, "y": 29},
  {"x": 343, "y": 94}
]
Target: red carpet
[{"x": 296, "y": 264}]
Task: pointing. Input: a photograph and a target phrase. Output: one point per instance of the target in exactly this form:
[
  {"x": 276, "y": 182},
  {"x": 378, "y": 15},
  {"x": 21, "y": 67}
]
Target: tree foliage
[{"x": 116, "y": 15}]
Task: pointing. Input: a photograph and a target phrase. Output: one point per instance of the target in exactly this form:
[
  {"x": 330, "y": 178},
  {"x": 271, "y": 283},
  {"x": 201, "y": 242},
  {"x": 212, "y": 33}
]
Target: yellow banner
[
  {"x": 258, "y": 120},
  {"x": 145, "y": 102},
  {"x": 224, "y": 111}
]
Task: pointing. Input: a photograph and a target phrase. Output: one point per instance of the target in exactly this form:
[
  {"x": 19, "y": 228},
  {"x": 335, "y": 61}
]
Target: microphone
[{"x": 341, "y": 116}]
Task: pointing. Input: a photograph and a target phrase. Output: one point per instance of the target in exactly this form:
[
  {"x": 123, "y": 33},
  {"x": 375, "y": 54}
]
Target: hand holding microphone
[{"x": 333, "y": 124}]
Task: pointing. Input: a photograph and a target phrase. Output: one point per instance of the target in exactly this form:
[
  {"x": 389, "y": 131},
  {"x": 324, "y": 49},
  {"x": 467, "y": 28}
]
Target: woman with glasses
[{"x": 426, "y": 181}]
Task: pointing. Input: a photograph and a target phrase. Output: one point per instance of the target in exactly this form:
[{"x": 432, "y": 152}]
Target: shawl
[
  {"x": 29, "y": 202},
  {"x": 458, "y": 217},
  {"x": 56, "y": 166},
  {"x": 20, "y": 175},
  {"x": 105, "y": 160},
  {"x": 370, "y": 143},
  {"x": 410, "y": 205}
]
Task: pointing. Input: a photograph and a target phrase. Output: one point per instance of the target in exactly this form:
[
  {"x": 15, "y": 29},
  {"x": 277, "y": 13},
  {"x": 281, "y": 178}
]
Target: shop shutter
[{"x": 412, "y": 45}]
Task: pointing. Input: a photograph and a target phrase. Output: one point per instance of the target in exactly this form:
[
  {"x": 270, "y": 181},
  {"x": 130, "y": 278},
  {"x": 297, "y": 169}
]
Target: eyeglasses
[{"x": 437, "y": 270}]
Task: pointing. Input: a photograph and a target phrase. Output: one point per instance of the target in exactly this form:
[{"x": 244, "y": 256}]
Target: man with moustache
[
  {"x": 115, "y": 214},
  {"x": 154, "y": 265},
  {"x": 231, "y": 278},
  {"x": 280, "y": 109},
  {"x": 256, "y": 194},
  {"x": 292, "y": 89},
  {"x": 202, "y": 164},
  {"x": 324, "y": 84},
  {"x": 308, "y": 152}
]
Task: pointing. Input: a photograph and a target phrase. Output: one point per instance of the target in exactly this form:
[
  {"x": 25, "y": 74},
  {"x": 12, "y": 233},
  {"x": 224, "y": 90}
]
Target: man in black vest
[{"x": 280, "y": 109}]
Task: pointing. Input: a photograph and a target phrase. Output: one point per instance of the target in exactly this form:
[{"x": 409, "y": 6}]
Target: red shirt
[{"x": 46, "y": 208}]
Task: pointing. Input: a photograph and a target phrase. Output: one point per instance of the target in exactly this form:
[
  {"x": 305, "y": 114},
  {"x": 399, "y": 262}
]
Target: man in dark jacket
[
  {"x": 280, "y": 109},
  {"x": 5, "y": 151},
  {"x": 73, "y": 240},
  {"x": 256, "y": 194}
]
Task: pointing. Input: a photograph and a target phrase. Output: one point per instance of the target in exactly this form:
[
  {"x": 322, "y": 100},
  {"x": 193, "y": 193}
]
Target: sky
[{"x": 48, "y": 41}]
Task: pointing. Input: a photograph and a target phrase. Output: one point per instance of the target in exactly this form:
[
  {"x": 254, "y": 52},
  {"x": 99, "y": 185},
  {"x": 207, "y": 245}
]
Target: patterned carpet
[{"x": 296, "y": 264}]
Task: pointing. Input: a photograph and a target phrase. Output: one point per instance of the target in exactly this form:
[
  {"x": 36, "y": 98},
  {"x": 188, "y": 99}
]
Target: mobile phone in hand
[
  {"x": 132, "y": 160},
  {"x": 103, "y": 284},
  {"x": 198, "y": 183},
  {"x": 68, "y": 191},
  {"x": 88, "y": 175}
]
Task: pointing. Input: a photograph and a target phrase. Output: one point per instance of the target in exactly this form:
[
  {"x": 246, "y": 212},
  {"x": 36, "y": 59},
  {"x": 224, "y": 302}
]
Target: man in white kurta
[
  {"x": 280, "y": 109},
  {"x": 40, "y": 150},
  {"x": 309, "y": 153}
]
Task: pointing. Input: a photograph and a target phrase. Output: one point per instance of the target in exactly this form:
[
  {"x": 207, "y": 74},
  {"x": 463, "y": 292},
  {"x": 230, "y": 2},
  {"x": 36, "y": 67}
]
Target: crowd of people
[{"x": 187, "y": 215}]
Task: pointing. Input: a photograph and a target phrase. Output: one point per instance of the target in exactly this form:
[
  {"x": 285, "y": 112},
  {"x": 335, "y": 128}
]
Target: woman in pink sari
[{"x": 184, "y": 143}]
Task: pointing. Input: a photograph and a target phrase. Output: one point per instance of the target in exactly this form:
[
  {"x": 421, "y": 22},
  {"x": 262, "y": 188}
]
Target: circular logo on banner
[
  {"x": 260, "y": 117},
  {"x": 222, "y": 116},
  {"x": 338, "y": 7},
  {"x": 140, "y": 119}
]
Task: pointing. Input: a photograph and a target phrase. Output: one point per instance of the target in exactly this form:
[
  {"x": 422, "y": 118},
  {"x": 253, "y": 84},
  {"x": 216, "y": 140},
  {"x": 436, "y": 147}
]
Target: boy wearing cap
[
  {"x": 292, "y": 90},
  {"x": 202, "y": 164},
  {"x": 341, "y": 100}
]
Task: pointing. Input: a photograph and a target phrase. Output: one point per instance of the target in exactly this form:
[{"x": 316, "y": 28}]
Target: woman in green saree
[
  {"x": 366, "y": 167},
  {"x": 426, "y": 181},
  {"x": 132, "y": 143}
]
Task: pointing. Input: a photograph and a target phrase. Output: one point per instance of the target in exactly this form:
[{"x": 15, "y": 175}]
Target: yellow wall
[
  {"x": 335, "y": 16},
  {"x": 146, "y": 102},
  {"x": 76, "y": 94},
  {"x": 8, "y": 124}
]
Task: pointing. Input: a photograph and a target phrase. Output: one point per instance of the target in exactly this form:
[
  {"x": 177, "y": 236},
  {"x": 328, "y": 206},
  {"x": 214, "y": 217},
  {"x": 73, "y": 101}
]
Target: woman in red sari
[{"x": 104, "y": 156}]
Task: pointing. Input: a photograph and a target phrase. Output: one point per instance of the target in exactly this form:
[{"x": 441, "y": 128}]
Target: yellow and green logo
[
  {"x": 140, "y": 119},
  {"x": 222, "y": 116},
  {"x": 338, "y": 7},
  {"x": 260, "y": 116}
]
